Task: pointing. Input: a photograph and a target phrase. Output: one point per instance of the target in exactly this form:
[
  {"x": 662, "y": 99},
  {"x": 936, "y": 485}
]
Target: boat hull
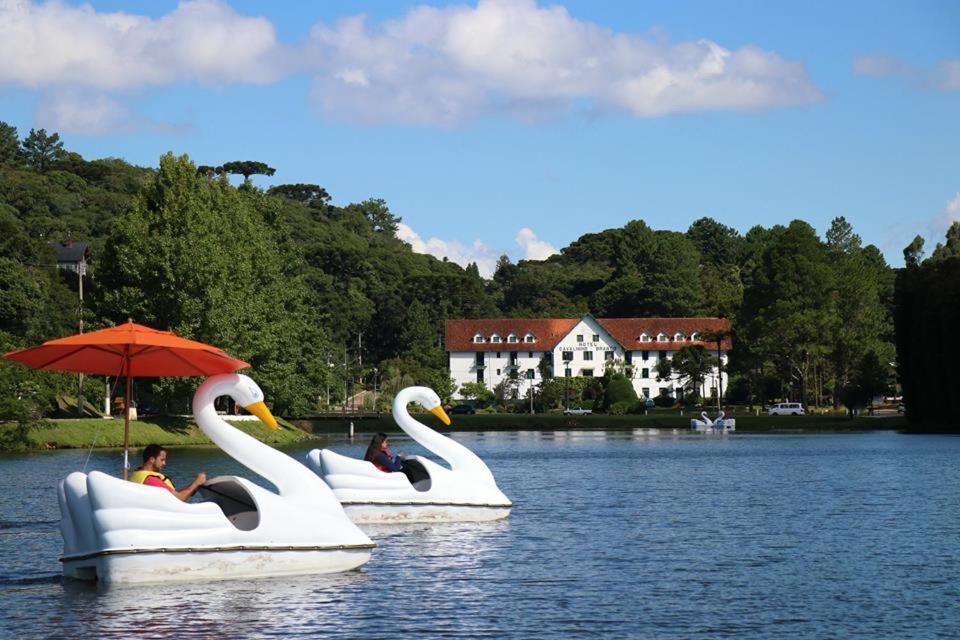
[
  {"x": 171, "y": 565},
  {"x": 380, "y": 512}
]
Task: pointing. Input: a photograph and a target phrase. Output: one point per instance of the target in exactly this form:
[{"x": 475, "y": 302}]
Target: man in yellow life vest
[{"x": 151, "y": 473}]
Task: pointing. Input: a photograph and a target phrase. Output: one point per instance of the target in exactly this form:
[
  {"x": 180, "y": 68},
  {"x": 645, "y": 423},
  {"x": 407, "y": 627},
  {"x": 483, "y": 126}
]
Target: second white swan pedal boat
[
  {"x": 117, "y": 531},
  {"x": 466, "y": 492}
]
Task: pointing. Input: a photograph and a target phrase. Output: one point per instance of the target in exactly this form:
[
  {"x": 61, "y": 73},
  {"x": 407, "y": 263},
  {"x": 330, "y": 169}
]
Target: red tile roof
[
  {"x": 627, "y": 331},
  {"x": 549, "y": 332}
]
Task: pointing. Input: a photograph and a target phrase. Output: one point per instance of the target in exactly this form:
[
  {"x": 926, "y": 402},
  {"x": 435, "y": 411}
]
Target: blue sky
[{"x": 517, "y": 126}]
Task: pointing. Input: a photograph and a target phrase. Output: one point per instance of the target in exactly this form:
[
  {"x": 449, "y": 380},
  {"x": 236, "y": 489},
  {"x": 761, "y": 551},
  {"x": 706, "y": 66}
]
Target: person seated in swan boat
[
  {"x": 151, "y": 473},
  {"x": 379, "y": 454}
]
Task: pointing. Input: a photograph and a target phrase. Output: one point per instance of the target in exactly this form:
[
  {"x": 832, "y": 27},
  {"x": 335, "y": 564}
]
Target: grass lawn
[{"x": 163, "y": 430}]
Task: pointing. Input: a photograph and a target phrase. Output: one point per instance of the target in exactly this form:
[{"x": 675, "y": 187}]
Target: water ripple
[{"x": 613, "y": 535}]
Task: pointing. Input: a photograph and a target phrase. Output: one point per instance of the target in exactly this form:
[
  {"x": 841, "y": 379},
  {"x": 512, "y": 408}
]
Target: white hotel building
[{"x": 493, "y": 350}]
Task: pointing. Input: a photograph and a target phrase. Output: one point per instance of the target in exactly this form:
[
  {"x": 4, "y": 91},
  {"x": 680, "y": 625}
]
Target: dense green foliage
[
  {"x": 927, "y": 313},
  {"x": 325, "y": 300}
]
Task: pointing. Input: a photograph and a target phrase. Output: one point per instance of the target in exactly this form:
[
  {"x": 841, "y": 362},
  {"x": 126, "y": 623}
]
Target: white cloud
[
  {"x": 484, "y": 257},
  {"x": 71, "y": 112},
  {"x": 447, "y": 65},
  {"x": 55, "y": 45},
  {"x": 534, "y": 249},
  {"x": 431, "y": 66},
  {"x": 949, "y": 75},
  {"x": 878, "y": 65},
  {"x": 946, "y": 76},
  {"x": 951, "y": 212}
]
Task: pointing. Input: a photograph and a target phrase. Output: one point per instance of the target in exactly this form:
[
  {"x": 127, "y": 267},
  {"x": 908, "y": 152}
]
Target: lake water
[{"x": 613, "y": 535}]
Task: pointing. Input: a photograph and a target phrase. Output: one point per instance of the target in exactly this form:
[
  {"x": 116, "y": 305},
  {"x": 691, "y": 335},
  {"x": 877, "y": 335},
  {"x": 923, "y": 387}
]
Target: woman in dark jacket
[{"x": 379, "y": 454}]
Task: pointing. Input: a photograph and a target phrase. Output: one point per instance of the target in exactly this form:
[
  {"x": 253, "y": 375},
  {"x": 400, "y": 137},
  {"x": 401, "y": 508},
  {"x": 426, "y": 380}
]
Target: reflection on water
[{"x": 613, "y": 534}]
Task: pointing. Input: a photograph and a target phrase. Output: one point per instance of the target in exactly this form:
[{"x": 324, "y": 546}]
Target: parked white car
[
  {"x": 786, "y": 409},
  {"x": 577, "y": 411}
]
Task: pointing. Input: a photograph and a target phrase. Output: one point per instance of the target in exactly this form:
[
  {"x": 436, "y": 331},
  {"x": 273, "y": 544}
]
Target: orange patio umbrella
[{"x": 128, "y": 350}]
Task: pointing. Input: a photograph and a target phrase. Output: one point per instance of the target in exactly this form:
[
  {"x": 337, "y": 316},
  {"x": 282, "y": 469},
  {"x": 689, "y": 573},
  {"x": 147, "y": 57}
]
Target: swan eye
[{"x": 255, "y": 393}]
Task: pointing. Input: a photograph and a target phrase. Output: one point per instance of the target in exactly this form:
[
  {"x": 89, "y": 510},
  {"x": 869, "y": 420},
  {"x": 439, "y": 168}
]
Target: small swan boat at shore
[
  {"x": 722, "y": 423},
  {"x": 116, "y": 531},
  {"x": 465, "y": 492}
]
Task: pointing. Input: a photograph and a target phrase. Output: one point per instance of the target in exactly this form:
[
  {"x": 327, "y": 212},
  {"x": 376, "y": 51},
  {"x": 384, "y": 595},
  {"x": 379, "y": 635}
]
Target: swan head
[
  {"x": 429, "y": 400},
  {"x": 248, "y": 395}
]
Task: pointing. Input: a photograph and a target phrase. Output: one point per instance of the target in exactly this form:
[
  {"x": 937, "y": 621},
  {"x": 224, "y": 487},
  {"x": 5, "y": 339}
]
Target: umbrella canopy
[{"x": 128, "y": 350}]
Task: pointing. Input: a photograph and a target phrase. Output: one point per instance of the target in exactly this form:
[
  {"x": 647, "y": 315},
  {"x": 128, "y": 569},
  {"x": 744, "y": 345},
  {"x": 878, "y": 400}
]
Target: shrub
[
  {"x": 619, "y": 389},
  {"x": 664, "y": 401},
  {"x": 621, "y": 408}
]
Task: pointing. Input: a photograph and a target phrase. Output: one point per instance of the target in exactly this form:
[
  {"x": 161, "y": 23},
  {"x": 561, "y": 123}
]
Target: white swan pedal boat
[
  {"x": 117, "y": 531},
  {"x": 466, "y": 492},
  {"x": 722, "y": 423}
]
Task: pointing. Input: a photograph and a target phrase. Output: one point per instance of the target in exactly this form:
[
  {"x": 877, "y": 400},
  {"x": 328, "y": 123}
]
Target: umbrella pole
[{"x": 126, "y": 428}]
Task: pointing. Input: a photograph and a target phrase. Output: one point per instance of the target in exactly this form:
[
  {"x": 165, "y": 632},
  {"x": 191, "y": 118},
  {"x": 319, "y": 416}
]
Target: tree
[
  {"x": 209, "y": 171},
  {"x": 788, "y": 311},
  {"x": 951, "y": 248},
  {"x": 9, "y": 144},
  {"x": 691, "y": 364},
  {"x": 717, "y": 337},
  {"x": 664, "y": 369},
  {"x": 913, "y": 252},
  {"x": 477, "y": 391},
  {"x": 618, "y": 390},
  {"x": 719, "y": 244},
  {"x": 378, "y": 215},
  {"x": 216, "y": 268},
  {"x": 41, "y": 151},
  {"x": 309, "y": 194},
  {"x": 247, "y": 168}
]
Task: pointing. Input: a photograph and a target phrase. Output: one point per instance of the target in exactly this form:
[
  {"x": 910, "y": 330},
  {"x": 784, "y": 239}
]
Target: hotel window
[
  {"x": 663, "y": 355},
  {"x": 662, "y": 337},
  {"x": 678, "y": 337},
  {"x": 512, "y": 338},
  {"x": 645, "y": 373},
  {"x": 495, "y": 338},
  {"x": 628, "y": 357},
  {"x": 498, "y": 371},
  {"x": 646, "y": 355},
  {"x": 646, "y": 392},
  {"x": 644, "y": 337},
  {"x": 596, "y": 337},
  {"x": 588, "y": 355},
  {"x": 608, "y": 355},
  {"x": 530, "y": 374},
  {"x": 567, "y": 356},
  {"x": 568, "y": 373},
  {"x": 579, "y": 338},
  {"x": 529, "y": 354},
  {"x": 479, "y": 375},
  {"x": 478, "y": 337},
  {"x": 479, "y": 359},
  {"x": 529, "y": 338},
  {"x": 694, "y": 336},
  {"x": 498, "y": 354},
  {"x": 586, "y": 373}
]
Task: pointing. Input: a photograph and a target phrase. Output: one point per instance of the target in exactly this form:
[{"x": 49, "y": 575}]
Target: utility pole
[{"x": 81, "y": 271}]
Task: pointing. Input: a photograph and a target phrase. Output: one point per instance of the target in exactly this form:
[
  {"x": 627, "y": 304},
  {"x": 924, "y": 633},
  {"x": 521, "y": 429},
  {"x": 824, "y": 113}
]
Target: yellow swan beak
[
  {"x": 440, "y": 413},
  {"x": 260, "y": 410}
]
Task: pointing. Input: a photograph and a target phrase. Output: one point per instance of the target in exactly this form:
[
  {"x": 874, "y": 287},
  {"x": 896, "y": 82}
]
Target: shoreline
[{"x": 100, "y": 433}]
